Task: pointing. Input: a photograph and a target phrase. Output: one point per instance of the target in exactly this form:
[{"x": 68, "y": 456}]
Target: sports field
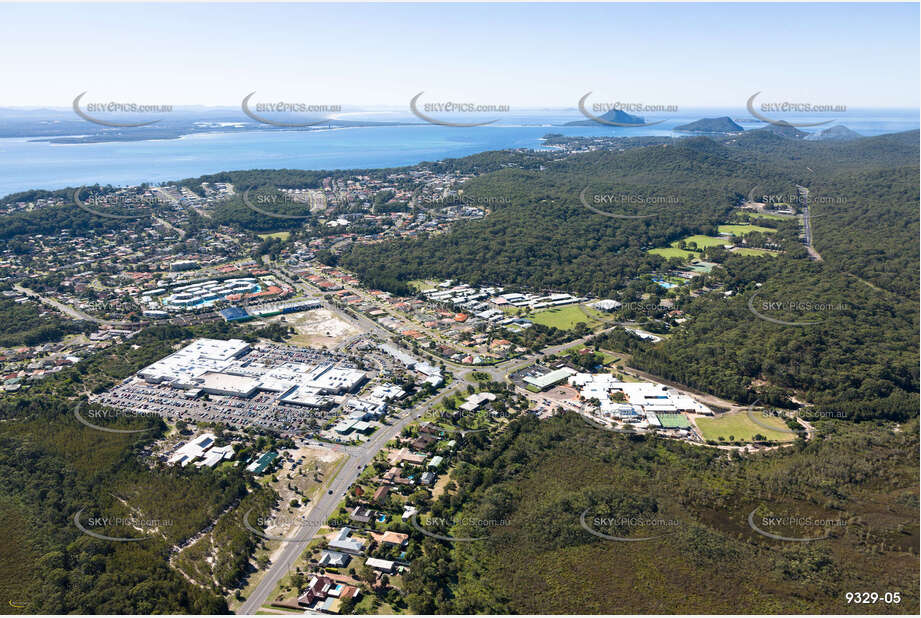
[
  {"x": 670, "y": 252},
  {"x": 701, "y": 241},
  {"x": 674, "y": 421},
  {"x": 742, "y": 230},
  {"x": 705, "y": 241},
  {"x": 566, "y": 317},
  {"x": 739, "y": 426}
]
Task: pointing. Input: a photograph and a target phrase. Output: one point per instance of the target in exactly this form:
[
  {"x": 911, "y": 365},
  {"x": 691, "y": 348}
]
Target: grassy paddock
[
  {"x": 567, "y": 317},
  {"x": 701, "y": 241},
  {"x": 281, "y": 235},
  {"x": 742, "y": 428},
  {"x": 756, "y": 252},
  {"x": 742, "y": 230}
]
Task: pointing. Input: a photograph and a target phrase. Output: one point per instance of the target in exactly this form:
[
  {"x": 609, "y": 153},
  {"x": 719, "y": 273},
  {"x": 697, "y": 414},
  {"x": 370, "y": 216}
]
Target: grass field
[
  {"x": 740, "y": 427},
  {"x": 742, "y": 230},
  {"x": 567, "y": 317},
  {"x": 758, "y": 252},
  {"x": 705, "y": 241},
  {"x": 281, "y": 235},
  {"x": 670, "y": 252},
  {"x": 701, "y": 240},
  {"x": 422, "y": 284}
]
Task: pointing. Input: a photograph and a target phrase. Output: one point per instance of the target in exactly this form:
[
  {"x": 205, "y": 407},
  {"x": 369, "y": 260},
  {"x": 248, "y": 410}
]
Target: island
[
  {"x": 723, "y": 124},
  {"x": 837, "y": 133},
  {"x": 614, "y": 115}
]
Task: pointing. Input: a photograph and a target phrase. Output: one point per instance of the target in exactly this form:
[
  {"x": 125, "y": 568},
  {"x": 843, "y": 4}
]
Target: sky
[{"x": 521, "y": 55}]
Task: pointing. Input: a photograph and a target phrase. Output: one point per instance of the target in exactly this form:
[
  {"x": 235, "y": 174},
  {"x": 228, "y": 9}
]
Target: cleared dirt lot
[
  {"x": 317, "y": 328},
  {"x": 302, "y": 482}
]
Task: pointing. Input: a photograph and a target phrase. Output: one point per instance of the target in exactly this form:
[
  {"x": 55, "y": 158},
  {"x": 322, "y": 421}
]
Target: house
[
  {"x": 324, "y": 594},
  {"x": 394, "y": 476},
  {"x": 430, "y": 429},
  {"x": 476, "y": 400},
  {"x": 436, "y": 461},
  {"x": 385, "y": 566},
  {"x": 390, "y": 537},
  {"x": 361, "y": 514},
  {"x": 423, "y": 442},
  {"x": 317, "y": 590},
  {"x": 409, "y": 511},
  {"x": 408, "y": 456},
  {"x": 381, "y": 494},
  {"x": 334, "y": 559},
  {"x": 428, "y": 478},
  {"x": 342, "y": 542}
]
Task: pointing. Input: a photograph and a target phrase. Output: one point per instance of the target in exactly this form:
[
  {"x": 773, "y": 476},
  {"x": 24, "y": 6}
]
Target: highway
[{"x": 357, "y": 458}]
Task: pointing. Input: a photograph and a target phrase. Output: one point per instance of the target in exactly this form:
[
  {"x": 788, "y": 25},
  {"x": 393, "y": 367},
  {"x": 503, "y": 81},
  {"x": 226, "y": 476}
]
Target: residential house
[{"x": 344, "y": 543}]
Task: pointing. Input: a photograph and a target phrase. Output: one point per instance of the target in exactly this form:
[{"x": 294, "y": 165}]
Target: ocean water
[{"x": 28, "y": 164}]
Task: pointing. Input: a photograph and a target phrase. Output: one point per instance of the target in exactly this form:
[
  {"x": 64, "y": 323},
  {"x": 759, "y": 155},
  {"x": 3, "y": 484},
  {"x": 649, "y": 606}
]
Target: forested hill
[
  {"x": 808, "y": 159},
  {"x": 535, "y": 481},
  {"x": 542, "y": 236},
  {"x": 866, "y": 224}
]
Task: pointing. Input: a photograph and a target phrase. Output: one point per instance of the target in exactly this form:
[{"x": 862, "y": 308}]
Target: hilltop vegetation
[
  {"x": 538, "y": 477},
  {"x": 723, "y": 124}
]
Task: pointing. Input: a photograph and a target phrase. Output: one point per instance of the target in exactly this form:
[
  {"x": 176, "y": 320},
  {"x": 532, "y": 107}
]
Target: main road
[
  {"x": 807, "y": 224},
  {"x": 356, "y": 459}
]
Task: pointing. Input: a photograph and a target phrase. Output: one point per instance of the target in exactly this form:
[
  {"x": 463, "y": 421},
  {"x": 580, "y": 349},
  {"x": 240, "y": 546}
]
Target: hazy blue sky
[{"x": 859, "y": 55}]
